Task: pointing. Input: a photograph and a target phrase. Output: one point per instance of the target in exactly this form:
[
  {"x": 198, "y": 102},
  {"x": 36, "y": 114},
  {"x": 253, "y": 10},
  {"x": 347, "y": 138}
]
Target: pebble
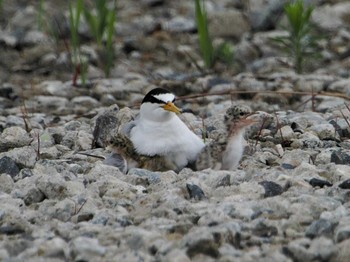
[
  {"x": 271, "y": 188},
  {"x": 321, "y": 227},
  {"x": 219, "y": 24},
  {"x": 8, "y": 166},
  {"x": 315, "y": 182},
  {"x": 85, "y": 248},
  {"x": 13, "y": 137},
  {"x": 341, "y": 157}
]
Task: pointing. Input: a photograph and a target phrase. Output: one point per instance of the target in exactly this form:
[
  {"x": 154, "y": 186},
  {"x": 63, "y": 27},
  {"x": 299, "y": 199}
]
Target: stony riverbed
[{"x": 287, "y": 201}]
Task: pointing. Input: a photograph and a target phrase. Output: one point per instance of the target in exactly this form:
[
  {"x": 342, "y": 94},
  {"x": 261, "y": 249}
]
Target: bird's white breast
[
  {"x": 234, "y": 151},
  {"x": 170, "y": 138}
]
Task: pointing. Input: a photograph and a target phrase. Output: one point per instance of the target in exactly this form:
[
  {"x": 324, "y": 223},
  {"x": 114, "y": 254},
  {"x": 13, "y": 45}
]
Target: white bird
[{"x": 158, "y": 131}]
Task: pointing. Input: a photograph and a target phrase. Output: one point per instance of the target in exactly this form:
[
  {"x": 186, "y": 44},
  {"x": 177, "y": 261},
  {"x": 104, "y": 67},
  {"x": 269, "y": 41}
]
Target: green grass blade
[
  {"x": 109, "y": 42},
  {"x": 93, "y": 23},
  {"x": 205, "y": 43}
]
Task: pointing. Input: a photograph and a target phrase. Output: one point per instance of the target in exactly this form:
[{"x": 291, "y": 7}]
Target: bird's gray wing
[
  {"x": 127, "y": 128},
  {"x": 116, "y": 160}
]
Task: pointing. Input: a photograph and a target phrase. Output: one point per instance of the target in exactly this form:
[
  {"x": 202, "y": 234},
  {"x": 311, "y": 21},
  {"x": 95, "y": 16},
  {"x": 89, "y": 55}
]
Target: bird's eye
[{"x": 241, "y": 113}]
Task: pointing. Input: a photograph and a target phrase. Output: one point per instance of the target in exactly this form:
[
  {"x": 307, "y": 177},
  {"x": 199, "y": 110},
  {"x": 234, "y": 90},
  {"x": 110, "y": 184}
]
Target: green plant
[
  {"x": 80, "y": 65},
  {"x": 205, "y": 43},
  {"x": 300, "y": 43},
  {"x": 41, "y": 12},
  {"x": 210, "y": 53},
  {"x": 1, "y": 4},
  {"x": 101, "y": 21},
  {"x": 224, "y": 52}
]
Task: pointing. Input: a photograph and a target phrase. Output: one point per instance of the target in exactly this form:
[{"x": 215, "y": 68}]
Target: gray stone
[
  {"x": 55, "y": 88},
  {"x": 8, "y": 166},
  {"x": 201, "y": 243},
  {"x": 310, "y": 140},
  {"x": 309, "y": 85},
  {"x": 195, "y": 192},
  {"x": 115, "y": 87},
  {"x": 176, "y": 255},
  {"x": 343, "y": 252},
  {"x": 34, "y": 37},
  {"x": 24, "y": 157},
  {"x": 321, "y": 227},
  {"x": 341, "y": 157},
  {"x": 342, "y": 232},
  {"x": 85, "y": 248},
  {"x": 287, "y": 133},
  {"x": 8, "y": 38},
  {"x": 331, "y": 17},
  {"x": 14, "y": 121},
  {"x": 341, "y": 126},
  {"x": 295, "y": 157},
  {"x": 24, "y": 18},
  {"x": 42, "y": 139},
  {"x": 86, "y": 102},
  {"x": 324, "y": 131},
  {"x": 152, "y": 177},
  {"x": 264, "y": 16},
  {"x": 13, "y": 137},
  {"x": 339, "y": 172},
  {"x": 54, "y": 248},
  {"x": 220, "y": 24},
  {"x": 6, "y": 183},
  {"x": 271, "y": 188},
  {"x": 324, "y": 157},
  {"x": 179, "y": 24},
  {"x": 262, "y": 229},
  {"x": 323, "y": 248},
  {"x": 50, "y": 182},
  {"x": 54, "y": 104},
  {"x": 77, "y": 140}
]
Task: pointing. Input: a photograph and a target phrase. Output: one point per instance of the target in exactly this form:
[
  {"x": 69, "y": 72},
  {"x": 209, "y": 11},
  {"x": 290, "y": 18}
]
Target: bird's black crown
[{"x": 150, "y": 97}]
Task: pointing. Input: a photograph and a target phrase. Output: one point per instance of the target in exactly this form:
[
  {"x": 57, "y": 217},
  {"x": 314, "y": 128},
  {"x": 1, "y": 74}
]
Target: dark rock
[
  {"x": 263, "y": 230},
  {"x": 287, "y": 166},
  {"x": 341, "y": 157},
  {"x": 342, "y": 233},
  {"x": 345, "y": 184},
  {"x": 154, "y": 3},
  {"x": 6, "y": 91},
  {"x": 195, "y": 191},
  {"x": 84, "y": 217},
  {"x": 25, "y": 172},
  {"x": 271, "y": 188},
  {"x": 343, "y": 131},
  {"x": 11, "y": 230},
  {"x": 8, "y": 166},
  {"x": 225, "y": 181},
  {"x": 321, "y": 227},
  {"x": 319, "y": 182},
  {"x": 33, "y": 195},
  {"x": 267, "y": 18}
]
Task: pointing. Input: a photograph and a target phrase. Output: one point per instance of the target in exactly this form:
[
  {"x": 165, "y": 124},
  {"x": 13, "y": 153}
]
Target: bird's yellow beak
[{"x": 172, "y": 108}]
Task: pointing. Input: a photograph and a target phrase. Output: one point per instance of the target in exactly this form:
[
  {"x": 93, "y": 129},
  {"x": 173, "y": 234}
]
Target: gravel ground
[{"x": 287, "y": 201}]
